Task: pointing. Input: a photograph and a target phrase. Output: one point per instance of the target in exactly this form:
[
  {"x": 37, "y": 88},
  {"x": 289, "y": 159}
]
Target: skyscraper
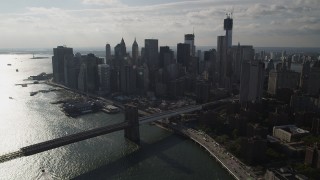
[
  {"x": 108, "y": 54},
  {"x": 241, "y": 54},
  {"x": 151, "y": 57},
  {"x": 282, "y": 79},
  {"x": 224, "y": 54},
  {"x": 82, "y": 78},
  {"x": 189, "y": 39},
  {"x": 314, "y": 79},
  {"x": 183, "y": 54},
  {"x": 135, "y": 52},
  {"x": 128, "y": 79},
  {"x": 71, "y": 71},
  {"x": 228, "y": 25},
  {"x": 222, "y": 59},
  {"x": 210, "y": 63},
  {"x": 88, "y": 76},
  {"x": 165, "y": 57},
  {"x": 251, "y": 82},
  {"x": 142, "y": 80},
  {"x": 151, "y": 53},
  {"x": 120, "y": 52},
  {"x": 199, "y": 55},
  {"x": 305, "y": 74},
  {"x": 58, "y": 59},
  {"x": 115, "y": 79},
  {"x": 104, "y": 71}
]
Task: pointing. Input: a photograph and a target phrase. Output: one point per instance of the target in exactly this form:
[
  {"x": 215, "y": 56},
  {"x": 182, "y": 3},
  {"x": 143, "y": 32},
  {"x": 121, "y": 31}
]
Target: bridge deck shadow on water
[
  {"x": 11, "y": 156},
  {"x": 130, "y": 125},
  {"x": 146, "y": 151}
]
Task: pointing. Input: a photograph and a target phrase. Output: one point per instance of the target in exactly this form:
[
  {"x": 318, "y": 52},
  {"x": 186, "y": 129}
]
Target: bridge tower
[{"x": 132, "y": 117}]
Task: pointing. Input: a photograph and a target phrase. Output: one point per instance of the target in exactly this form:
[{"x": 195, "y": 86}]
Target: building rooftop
[
  {"x": 292, "y": 129},
  {"x": 287, "y": 174}
]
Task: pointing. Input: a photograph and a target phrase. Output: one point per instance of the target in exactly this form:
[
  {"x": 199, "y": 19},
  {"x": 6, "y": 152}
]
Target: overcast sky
[{"x": 93, "y": 23}]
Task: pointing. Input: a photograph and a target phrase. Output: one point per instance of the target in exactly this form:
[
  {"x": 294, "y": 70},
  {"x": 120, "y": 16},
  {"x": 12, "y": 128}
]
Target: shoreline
[
  {"x": 190, "y": 133},
  {"x": 181, "y": 130}
]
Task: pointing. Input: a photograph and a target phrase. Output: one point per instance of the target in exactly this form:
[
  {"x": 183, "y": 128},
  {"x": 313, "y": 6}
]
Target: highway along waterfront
[
  {"x": 26, "y": 120},
  {"x": 234, "y": 166}
]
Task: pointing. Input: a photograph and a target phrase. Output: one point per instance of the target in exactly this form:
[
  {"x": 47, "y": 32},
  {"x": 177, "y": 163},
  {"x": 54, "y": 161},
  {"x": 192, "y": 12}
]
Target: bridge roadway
[
  {"x": 171, "y": 113},
  {"x": 55, "y": 143},
  {"x": 62, "y": 141},
  {"x": 168, "y": 114}
]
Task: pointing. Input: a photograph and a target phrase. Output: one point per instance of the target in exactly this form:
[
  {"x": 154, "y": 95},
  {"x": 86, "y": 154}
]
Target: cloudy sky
[{"x": 93, "y": 23}]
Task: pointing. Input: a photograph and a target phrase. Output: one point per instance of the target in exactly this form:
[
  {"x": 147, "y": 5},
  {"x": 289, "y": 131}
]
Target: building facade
[
  {"x": 288, "y": 133},
  {"x": 279, "y": 79},
  {"x": 183, "y": 54},
  {"x": 58, "y": 59},
  {"x": 189, "y": 39},
  {"x": 166, "y": 57},
  {"x": 151, "y": 53},
  {"x": 135, "y": 53},
  {"x": 108, "y": 54},
  {"x": 71, "y": 71},
  {"x": 104, "y": 73},
  {"x": 251, "y": 81},
  {"x": 128, "y": 79},
  {"x": 222, "y": 59},
  {"x": 312, "y": 157},
  {"x": 228, "y": 25}
]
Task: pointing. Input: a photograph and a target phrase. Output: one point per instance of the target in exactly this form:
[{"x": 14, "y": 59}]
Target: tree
[
  {"x": 222, "y": 139},
  {"x": 235, "y": 133}
]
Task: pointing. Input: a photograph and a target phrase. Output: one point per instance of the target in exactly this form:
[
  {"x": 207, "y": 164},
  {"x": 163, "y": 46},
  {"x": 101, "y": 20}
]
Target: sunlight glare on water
[{"x": 25, "y": 120}]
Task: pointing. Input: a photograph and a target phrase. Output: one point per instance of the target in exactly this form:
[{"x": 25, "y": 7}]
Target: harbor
[
  {"x": 44, "y": 91},
  {"x": 31, "y": 83},
  {"x": 85, "y": 103}
]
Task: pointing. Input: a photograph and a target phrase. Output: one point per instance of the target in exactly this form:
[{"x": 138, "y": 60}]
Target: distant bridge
[{"x": 130, "y": 125}]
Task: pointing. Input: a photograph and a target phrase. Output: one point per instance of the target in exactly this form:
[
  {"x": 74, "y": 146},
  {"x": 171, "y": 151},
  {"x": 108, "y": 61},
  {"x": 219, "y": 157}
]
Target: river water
[{"x": 25, "y": 120}]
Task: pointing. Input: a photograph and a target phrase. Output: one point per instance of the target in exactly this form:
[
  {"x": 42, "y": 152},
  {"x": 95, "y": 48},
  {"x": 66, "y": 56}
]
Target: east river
[{"x": 25, "y": 120}]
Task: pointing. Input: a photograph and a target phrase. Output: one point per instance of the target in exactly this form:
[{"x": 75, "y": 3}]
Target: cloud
[
  {"x": 103, "y": 2},
  {"x": 98, "y": 21},
  {"x": 307, "y": 2},
  {"x": 275, "y": 23},
  {"x": 310, "y": 29},
  {"x": 303, "y": 20},
  {"x": 258, "y": 10},
  {"x": 206, "y": 13}
]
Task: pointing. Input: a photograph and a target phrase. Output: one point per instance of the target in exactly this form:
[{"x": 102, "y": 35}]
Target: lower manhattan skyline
[
  {"x": 160, "y": 89},
  {"x": 93, "y": 23}
]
